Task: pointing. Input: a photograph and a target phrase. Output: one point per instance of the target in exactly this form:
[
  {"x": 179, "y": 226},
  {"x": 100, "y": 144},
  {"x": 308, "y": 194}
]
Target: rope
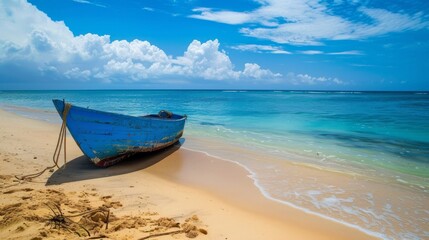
[{"x": 61, "y": 138}]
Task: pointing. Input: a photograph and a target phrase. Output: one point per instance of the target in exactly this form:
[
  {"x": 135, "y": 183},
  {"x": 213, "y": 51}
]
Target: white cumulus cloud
[
  {"x": 33, "y": 41},
  {"x": 206, "y": 61},
  {"x": 305, "y": 79},
  {"x": 254, "y": 70}
]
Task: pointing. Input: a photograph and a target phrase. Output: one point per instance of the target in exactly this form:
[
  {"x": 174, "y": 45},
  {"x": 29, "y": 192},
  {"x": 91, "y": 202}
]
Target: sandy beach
[
  {"x": 172, "y": 194},
  {"x": 266, "y": 120}
]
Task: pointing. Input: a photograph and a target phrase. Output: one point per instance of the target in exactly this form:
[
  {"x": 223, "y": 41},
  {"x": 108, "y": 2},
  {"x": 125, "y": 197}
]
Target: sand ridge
[{"x": 52, "y": 213}]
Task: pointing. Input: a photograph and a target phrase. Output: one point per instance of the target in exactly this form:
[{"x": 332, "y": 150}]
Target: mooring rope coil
[{"x": 61, "y": 138}]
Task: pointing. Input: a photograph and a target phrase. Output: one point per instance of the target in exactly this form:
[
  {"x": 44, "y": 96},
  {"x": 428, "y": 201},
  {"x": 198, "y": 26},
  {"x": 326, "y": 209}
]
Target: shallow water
[{"x": 365, "y": 155}]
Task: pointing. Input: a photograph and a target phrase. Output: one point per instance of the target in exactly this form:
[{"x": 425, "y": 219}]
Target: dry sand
[{"x": 176, "y": 194}]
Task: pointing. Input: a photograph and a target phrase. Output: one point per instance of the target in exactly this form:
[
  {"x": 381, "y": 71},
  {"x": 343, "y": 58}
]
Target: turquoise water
[{"x": 381, "y": 137}]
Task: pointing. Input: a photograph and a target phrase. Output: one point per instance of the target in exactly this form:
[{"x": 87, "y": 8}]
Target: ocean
[{"x": 359, "y": 158}]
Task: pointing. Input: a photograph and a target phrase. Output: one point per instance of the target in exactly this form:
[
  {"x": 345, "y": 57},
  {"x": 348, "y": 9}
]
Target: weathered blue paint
[{"x": 106, "y": 138}]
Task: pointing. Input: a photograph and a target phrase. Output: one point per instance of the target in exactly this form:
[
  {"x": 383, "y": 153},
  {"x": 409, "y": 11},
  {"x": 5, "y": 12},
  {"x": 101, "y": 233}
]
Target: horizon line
[{"x": 215, "y": 89}]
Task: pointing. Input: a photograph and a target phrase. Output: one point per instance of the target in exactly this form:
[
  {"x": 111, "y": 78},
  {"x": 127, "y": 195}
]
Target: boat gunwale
[{"x": 182, "y": 117}]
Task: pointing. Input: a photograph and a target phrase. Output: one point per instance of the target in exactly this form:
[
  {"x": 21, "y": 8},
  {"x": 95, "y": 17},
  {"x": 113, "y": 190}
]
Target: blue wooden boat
[{"x": 107, "y": 138}]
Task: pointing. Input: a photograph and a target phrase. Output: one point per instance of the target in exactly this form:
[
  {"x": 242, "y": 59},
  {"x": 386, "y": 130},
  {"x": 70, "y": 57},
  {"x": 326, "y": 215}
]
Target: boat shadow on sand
[{"x": 81, "y": 168}]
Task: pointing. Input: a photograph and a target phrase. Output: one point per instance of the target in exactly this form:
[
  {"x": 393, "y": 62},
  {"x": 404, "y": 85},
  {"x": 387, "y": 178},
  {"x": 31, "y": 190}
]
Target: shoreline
[
  {"x": 252, "y": 197},
  {"x": 273, "y": 224},
  {"x": 273, "y": 200}
]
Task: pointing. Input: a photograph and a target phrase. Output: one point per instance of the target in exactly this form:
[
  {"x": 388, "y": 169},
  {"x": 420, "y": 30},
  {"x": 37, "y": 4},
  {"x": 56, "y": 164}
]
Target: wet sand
[{"x": 177, "y": 192}]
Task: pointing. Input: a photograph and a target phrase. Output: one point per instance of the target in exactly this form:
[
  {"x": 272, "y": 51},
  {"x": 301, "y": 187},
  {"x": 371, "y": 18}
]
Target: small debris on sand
[{"x": 55, "y": 213}]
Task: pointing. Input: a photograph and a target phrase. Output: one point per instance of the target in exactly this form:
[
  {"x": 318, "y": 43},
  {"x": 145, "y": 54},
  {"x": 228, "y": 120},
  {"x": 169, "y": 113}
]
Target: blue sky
[{"x": 192, "y": 44}]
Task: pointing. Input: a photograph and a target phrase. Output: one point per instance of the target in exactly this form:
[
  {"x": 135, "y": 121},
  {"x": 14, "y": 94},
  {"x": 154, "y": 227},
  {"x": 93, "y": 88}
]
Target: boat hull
[{"x": 107, "y": 138}]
